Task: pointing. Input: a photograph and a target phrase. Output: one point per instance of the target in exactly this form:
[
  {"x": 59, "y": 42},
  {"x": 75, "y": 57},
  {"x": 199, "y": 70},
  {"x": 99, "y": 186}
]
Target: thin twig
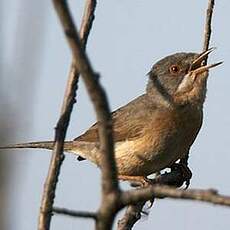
[
  {"x": 208, "y": 23},
  {"x": 86, "y": 25},
  {"x": 61, "y": 128},
  {"x": 71, "y": 213},
  {"x": 87, "y": 21}
]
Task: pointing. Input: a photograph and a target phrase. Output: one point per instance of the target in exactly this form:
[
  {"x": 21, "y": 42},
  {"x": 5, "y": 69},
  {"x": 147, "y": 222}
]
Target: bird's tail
[{"x": 37, "y": 145}]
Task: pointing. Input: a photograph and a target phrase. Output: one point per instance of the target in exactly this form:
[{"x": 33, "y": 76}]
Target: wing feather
[{"x": 129, "y": 122}]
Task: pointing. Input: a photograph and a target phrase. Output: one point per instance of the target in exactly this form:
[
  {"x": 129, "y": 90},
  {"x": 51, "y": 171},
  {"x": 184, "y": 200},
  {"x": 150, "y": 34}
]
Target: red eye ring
[{"x": 174, "y": 69}]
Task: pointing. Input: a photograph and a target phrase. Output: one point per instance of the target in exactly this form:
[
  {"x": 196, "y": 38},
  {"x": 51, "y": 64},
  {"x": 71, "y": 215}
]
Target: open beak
[{"x": 199, "y": 65}]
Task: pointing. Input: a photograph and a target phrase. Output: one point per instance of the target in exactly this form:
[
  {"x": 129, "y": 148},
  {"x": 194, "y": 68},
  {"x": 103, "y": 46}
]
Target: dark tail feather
[{"x": 37, "y": 145}]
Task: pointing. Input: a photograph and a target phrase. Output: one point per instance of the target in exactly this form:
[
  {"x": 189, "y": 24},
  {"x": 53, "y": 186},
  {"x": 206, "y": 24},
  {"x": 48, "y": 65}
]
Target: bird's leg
[
  {"x": 143, "y": 181},
  {"x": 138, "y": 181},
  {"x": 184, "y": 161},
  {"x": 185, "y": 170}
]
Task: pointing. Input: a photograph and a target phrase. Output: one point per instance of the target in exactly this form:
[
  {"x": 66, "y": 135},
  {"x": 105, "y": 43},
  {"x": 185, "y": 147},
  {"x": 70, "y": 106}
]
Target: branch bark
[
  {"x": 110, "y": 188},
  {"x": 162, "y": 191},
  {"x": 97, "y": 96},
  {"x": 61, "y": 127},
  {"x": 131, "y": 216}
]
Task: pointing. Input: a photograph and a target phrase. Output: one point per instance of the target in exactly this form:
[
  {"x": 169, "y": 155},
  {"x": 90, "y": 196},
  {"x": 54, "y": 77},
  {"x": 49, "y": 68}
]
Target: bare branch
[
  {"x": 161, "y": 191},
  {"x": 131, "y": 216},
  {"x": 86, "y": 25},
  {"x": 208, "y": 22},
  {"x": 97, "y": 95},
  {"x": 71, "y": 213},
  {"x": 87, "y": 21},
  {"x": 61, "y": 128}
]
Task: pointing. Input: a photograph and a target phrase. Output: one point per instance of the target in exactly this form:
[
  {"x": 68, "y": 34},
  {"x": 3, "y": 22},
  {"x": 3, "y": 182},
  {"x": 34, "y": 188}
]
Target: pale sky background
[{"x": 127, "y": 38}]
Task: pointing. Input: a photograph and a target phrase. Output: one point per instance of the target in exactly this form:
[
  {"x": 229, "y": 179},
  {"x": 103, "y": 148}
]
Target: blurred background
[{"x": 127, "y": 38}]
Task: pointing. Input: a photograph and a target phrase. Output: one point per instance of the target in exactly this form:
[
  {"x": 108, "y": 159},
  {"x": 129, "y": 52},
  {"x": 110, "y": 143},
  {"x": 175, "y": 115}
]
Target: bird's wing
[{"x": 129, "y": 122}]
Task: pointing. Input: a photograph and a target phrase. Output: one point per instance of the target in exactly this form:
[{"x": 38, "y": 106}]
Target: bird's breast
[
  {"x": 165, "y": 139},
  {"x": 176, "y": 133}
]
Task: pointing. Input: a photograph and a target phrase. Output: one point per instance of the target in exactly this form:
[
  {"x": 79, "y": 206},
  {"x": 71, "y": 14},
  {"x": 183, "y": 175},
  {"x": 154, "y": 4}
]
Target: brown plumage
[{"x": 141, "y": 127}]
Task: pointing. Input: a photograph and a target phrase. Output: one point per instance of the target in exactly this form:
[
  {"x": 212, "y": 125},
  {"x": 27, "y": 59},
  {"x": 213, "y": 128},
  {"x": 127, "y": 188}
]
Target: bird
[{"x": 156, "y": 129}]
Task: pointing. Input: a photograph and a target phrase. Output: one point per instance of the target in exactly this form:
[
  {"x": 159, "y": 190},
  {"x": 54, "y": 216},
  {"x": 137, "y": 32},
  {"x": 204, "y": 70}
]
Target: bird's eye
[
  {"x": 174, "y": 69},
  {"x": 202, "y": 63}
]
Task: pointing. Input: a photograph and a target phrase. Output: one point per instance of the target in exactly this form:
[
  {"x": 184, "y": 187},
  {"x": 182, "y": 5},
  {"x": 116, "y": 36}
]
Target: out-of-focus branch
[
  {"x": 110, "y": 189},
  {"x": 62, "y": 125},
  {"x": 208, "y": 23},
  {"x": 96, "y": 93},
  {"x": 71, "y": 213}
]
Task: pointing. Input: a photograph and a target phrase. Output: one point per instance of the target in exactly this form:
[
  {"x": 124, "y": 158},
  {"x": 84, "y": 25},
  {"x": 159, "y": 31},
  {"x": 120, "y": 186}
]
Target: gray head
[{"x": 180, "y": 74}]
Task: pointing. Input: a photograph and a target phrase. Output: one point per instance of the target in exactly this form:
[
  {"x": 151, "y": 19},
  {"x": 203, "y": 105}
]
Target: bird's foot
[
  {"x": 185, "y": 171},
  {"x": 137, "y": 181}
]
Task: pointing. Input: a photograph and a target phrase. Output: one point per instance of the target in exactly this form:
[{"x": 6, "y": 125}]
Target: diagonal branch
[
  {"x": 62, "y": 125},
  {"x": 87, "y": 21},
  {"x": 97, "y": 95}
]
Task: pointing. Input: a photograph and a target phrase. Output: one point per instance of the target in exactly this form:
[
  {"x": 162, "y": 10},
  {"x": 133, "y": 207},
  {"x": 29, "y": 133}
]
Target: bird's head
[{"x": 180, "y": 78}]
